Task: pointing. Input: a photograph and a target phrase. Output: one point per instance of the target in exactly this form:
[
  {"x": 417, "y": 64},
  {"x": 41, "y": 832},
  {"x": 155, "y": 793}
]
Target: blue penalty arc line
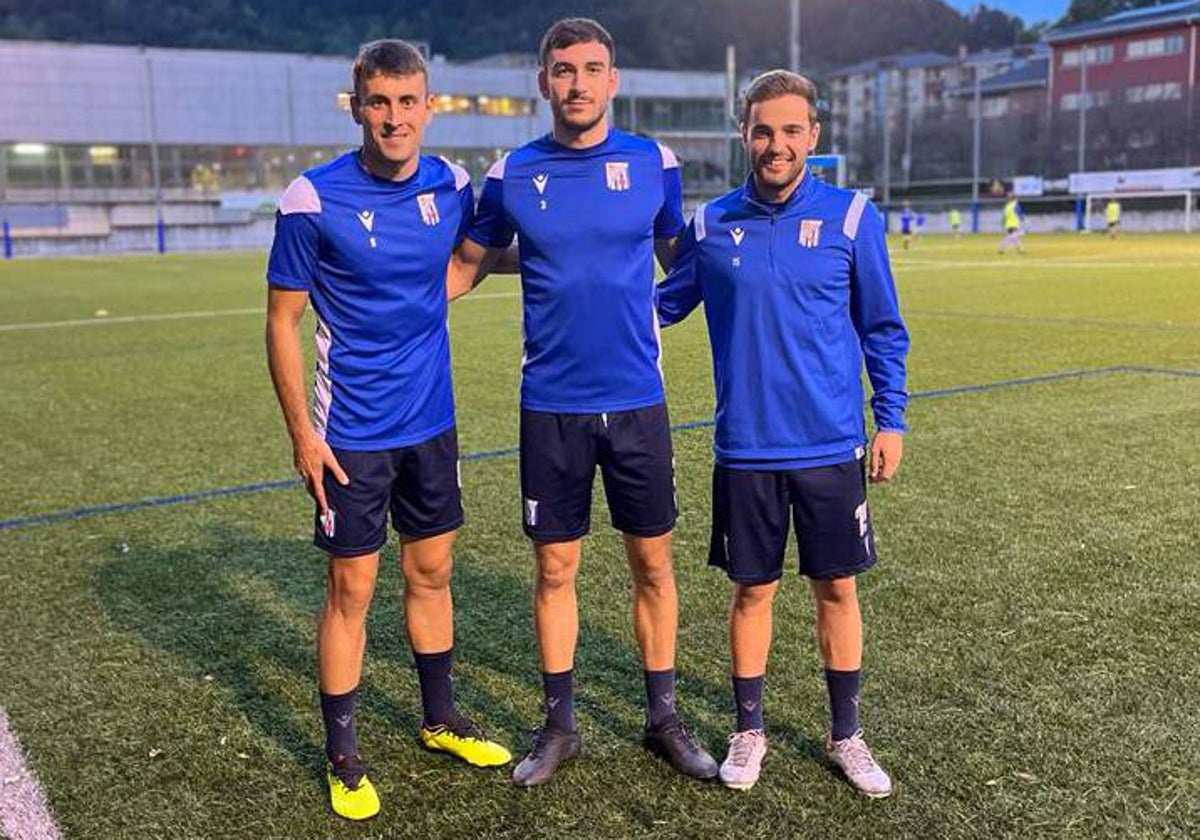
[{"x": 288, "y": 483}]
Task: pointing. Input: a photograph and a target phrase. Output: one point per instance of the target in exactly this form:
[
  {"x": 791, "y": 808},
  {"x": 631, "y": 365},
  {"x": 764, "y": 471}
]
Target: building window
[
  {"x": 448, "y": 103},
  {"x": 504, "y": 106},
  {"x": 1154, "y": 47},
  {"x": 1154, "y": 92},
  {"x": 1071, "y": 101},
  {"x": 995, "y": 106},
  {"x": 1102, "y": 54},
  {"x": 488, "y": 106}
]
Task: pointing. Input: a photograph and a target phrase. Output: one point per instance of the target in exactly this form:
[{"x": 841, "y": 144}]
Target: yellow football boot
[
  {"x": 463, "y": 739},
  {"x": 351, "y": 794}
]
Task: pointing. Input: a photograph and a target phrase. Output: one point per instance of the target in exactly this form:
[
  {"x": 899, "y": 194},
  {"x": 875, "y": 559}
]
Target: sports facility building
[{"x": 91, "y": 136}]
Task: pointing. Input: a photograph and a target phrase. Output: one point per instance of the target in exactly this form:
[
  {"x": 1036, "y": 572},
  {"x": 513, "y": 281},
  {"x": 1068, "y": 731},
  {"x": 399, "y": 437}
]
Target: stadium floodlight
[{"x": 30, "y": 149}]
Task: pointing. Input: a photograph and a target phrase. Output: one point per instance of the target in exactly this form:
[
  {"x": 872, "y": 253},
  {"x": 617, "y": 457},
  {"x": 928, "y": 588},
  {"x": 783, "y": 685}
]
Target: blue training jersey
[
  {"x": 585, "y": 222},
  {"x": 796, "y": 296},
  {"x": 372, "y": 255}
]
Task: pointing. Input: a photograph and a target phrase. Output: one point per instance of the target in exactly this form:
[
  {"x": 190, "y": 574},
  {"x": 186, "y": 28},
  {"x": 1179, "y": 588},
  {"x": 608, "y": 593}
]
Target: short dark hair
[
  {"x": 776, "y": 83},
  {"x": 571, "y": 31},
  {"x": 389, "y": 56}
]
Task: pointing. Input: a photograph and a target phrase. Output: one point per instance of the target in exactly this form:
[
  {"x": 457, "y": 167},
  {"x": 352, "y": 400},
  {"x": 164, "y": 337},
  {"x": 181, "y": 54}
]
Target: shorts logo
[
  {"x": 738, "y": 235},
  {"x": 616, "y": 173},
  {"x": 810, "y": 232},
  {"x": 429, "y": 209},
  {"x": 329, "y": 523},
  {"x": 531, "y": 507},
  {"x": 860, "y": 513}
]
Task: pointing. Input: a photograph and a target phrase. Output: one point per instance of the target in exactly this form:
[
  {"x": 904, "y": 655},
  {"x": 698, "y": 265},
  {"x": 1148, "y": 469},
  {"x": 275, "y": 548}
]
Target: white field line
[
  {"x": 24, "y": 814},
  {"x": 1026, "y": 262},
  {"x": 101, "y": 320}
]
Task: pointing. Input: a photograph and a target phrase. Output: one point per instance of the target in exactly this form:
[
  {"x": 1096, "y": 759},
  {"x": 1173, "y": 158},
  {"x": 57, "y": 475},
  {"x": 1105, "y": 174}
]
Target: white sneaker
[
  {"x": 853, "y": 757},
  {"x": 743, "y": 763}
]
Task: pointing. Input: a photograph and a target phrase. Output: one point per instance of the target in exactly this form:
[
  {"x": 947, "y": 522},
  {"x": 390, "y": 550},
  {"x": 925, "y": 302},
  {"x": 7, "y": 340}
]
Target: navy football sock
[
  {"x": 437, "y": 686},
  {"x": 843, "y": 702},
  {"x": 748, "y": 694},
  {"x": 560, "y": 699},
  {"x": 337, "y": 710},
  {"x": 660, "y": 696}
]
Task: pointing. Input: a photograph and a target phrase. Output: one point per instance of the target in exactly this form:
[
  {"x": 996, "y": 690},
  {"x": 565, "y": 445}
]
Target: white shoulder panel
[
  {"x": 698, "y": 220},
  {"x": 669, "y": 160},
  {"x": 461, "y": 176},
  {"x": 497, "y": 170},
  {"x": 854, "y": 215},
  {"x": 300, "y": 197}
]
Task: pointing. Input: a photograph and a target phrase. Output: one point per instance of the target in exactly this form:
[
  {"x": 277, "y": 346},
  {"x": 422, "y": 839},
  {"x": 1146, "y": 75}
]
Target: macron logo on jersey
[
  {"x": 616, "y": 174},
  {"x": 429, "y": 209},
  {"x": 367, "y": 219},
  {"x": 540, "y": 180},
  {"x": 738, "y": 235}
]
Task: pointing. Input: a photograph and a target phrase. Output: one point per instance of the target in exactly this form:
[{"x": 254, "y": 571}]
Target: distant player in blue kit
[
  {"x": 367, "y": 238},
  {"x": 908, "y": 225},
  {"x": 797, "y": 292},
  {"x": 590, "y": 207}
]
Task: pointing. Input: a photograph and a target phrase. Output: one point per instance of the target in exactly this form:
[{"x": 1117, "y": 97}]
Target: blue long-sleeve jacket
[{"x": 797, "y": 295}]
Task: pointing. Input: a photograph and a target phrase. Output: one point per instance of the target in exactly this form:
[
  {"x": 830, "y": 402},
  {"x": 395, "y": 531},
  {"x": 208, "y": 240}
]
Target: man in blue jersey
[
  {"x": 797, "y": 291},
  {"x": 367, "y": 238},
  {"x": 590, "y": 207}
]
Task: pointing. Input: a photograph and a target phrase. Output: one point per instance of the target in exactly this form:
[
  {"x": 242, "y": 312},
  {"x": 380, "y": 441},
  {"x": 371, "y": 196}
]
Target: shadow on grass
[{"x": 241, "y": 606}]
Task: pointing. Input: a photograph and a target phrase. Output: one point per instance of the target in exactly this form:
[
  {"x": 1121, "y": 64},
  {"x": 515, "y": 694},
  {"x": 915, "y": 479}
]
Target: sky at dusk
[{"x": 1031, "y": 11}]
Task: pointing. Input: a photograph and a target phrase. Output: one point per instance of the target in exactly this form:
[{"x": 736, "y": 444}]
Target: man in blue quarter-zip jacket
[{"x": 797, "y": 292}]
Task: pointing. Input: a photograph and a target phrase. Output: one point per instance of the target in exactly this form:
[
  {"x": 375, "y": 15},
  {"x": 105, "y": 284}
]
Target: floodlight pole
[
  {"x": 8, "y": 244},
  {"x": 1083, "y": 107},
  {"x": 885, "y": 112},
  {"x": 794, "y": 37},
  {"x": 160, "y": 225},
  {"x": 977, "y": 146},
  {"x": 731, "y": 115},
  {"x": 1081, "y": 221}
]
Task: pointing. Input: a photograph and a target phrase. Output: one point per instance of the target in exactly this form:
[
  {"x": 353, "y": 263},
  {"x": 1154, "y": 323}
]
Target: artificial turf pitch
[{"x": 1030, "y": 630}]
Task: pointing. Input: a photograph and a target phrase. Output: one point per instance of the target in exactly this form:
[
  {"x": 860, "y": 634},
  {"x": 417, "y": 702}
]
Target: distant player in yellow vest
[
  {"x": 1112, "y": 214},
  {"x": 1013, "y": 217},
  {"x": 955, "y": 222}
]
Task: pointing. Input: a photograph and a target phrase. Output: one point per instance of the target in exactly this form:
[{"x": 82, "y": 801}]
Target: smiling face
[
  {"x": 579, "y": 82},
  {"x": 779, "y": 134},
  {"x": 394, "y": 112}
]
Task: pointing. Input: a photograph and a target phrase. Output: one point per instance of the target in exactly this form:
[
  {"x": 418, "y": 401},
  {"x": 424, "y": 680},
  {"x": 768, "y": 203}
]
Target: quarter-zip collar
[{"x": 803, "y": 190}]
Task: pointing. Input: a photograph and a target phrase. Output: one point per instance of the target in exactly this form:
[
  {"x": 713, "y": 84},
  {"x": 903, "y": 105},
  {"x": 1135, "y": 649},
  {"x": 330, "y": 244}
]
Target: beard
[
  {"x": 581, "y": 121},
  {"x": 777, "y": 177}
]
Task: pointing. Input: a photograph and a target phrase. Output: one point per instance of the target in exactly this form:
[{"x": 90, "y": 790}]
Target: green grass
[{"x": 1030, "y": 630}]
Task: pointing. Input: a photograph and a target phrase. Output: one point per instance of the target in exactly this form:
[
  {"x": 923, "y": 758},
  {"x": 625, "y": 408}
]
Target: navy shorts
[
  {"x": 419, "y": 484},
  {"x": 559, "y": 457},
  {"x": 827, "y": 505}
]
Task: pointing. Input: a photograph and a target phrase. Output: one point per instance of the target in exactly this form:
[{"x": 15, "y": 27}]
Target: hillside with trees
[{"x": 690, "y": 34}]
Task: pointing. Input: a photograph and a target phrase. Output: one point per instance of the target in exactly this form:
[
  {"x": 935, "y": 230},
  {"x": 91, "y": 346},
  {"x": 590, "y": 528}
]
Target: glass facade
[{"x": 649, "y": 115}]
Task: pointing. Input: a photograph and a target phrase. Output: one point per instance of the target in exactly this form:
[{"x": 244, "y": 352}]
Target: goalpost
[{"x": 1092, "y": 199}]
